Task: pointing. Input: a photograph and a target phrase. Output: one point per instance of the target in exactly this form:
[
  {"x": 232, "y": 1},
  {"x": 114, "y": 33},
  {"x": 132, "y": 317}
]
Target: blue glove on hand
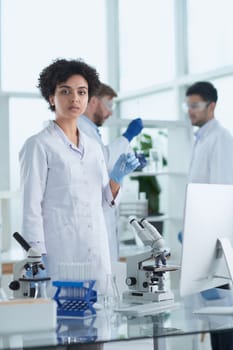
[
  {"x": 180, "y": 237},
  {"x": 211, "y": 294},
  {"x": 134, "y": 128},
  {"x": 125, "y": 164}
]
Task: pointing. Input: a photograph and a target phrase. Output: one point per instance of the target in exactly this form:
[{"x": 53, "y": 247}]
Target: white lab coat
[
  {"x": 212, "y": 158},
  {"x": 111, "y": 153},
  {"x": 63, "y": 198}
]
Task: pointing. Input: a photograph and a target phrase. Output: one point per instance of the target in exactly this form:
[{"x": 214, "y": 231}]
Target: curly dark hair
[{"x": 62, "y": 69}]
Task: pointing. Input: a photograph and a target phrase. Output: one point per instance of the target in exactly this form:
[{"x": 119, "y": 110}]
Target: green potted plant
[{"x": 149, "y": 184}]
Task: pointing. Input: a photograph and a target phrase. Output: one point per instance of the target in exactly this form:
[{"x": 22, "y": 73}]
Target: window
[
  {"x": 36, "y": 32},
  {"x": 146, "y": 42},
  {"x": 157, "y": 106},
  {"x": 224, "y": 105},
  {"x": 210, "y": 31},
  {"x": 27, "y": 117}
]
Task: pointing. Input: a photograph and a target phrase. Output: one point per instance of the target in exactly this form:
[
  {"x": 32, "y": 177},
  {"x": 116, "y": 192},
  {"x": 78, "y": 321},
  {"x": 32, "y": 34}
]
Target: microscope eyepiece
[{"x": 24, "y": 244}]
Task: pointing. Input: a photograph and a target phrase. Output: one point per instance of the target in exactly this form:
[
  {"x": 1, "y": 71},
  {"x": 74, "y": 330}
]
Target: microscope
[
  {"x": 30, "y": 312},
  {"x": 147, "y": 282},
  {"x": 28, "y": 281}
]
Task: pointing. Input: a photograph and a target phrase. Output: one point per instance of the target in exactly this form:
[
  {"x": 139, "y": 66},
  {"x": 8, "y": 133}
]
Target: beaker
[{"x": 111, "y": 293}]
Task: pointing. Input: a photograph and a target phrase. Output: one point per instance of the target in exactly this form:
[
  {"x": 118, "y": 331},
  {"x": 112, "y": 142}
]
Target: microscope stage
[{"x": 161, "y": 268}]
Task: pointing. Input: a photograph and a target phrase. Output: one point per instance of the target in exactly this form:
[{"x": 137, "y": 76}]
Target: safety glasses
[
  {"x": 109, "y": 104},
  {"x": 198, "y": 106}
]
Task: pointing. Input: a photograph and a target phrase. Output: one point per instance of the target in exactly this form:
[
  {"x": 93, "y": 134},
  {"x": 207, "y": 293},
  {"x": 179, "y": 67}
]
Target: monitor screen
[{"x": 208, "y": 217}]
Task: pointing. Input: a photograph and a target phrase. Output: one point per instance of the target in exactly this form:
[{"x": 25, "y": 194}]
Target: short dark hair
[
  {"x": 62, "y": 69},
  {"x": 105, "y": 90},
  {"x": 204, "y": 89}
]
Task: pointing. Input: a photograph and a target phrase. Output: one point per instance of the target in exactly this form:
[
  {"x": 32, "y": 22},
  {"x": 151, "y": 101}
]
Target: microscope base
[{"x": 139, "y": 297}]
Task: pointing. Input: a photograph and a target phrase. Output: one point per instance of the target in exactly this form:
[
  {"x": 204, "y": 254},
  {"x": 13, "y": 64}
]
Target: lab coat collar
[
  {"x": 91, "y": 123},
  {"x": 204, "y": 130},
  {"x": 62, "y": 135}
]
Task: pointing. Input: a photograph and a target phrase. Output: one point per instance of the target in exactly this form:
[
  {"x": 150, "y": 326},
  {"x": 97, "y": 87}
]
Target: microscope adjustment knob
[
  {"x": 14, "y": 285},
  {"x": 131, "y": 281}
]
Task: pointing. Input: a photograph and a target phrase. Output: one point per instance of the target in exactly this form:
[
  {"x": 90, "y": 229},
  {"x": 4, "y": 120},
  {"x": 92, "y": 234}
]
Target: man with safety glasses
[
  {"x": 212, "y": 158},
  {"x": 211, "y": 162},
  {"x": 100, "y": 107}
]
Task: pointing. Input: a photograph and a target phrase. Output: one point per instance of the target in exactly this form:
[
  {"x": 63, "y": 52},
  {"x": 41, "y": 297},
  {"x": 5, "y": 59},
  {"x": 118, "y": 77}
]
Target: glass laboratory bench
[{"x": 165, "y": 330}]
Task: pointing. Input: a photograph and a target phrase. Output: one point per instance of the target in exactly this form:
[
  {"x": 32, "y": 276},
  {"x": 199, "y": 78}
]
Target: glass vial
[{"x": 111, "y": 294}]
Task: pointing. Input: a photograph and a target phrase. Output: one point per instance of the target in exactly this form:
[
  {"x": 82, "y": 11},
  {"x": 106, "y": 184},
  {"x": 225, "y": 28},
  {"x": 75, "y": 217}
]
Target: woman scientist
[{"x": 64, "y": 179}]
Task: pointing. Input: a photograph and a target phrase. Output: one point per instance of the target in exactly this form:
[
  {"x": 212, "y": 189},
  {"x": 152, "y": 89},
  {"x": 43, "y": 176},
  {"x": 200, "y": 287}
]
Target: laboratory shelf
[
  {"x": 157, "y": 218},
  {"x": 148, "y": 123},
  {"x": 157, "y": 173}
]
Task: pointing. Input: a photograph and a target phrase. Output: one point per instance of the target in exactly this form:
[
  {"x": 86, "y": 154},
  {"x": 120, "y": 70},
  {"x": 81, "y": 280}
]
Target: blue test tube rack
[{"x": 75, "y": 298}]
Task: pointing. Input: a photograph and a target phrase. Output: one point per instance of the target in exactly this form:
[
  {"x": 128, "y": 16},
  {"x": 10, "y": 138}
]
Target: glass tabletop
[{"x": 108, "y": 325}]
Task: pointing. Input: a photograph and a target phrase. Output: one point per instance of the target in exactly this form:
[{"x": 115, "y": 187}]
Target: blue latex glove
[
  {"x": 142, "y": 160},
  {"x": 134, "y": 128},
  {"x": 180, "y": 237},
  {"x": 211, "y": 294},
  {"x": 125, "y": 164}
]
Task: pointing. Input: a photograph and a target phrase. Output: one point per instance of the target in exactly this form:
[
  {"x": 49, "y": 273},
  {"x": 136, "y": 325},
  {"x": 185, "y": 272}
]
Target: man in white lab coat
[
  {"x": 212, "y": 158},
  {"x": 99, "y": 109},
  {"x": 211, "y": 162}
]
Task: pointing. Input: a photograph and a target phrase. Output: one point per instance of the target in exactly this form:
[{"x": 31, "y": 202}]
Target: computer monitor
[{"x": 207, "y": 253}]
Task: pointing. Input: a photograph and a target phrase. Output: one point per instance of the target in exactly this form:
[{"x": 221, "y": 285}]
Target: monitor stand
[
  {"x": 223, "y": 247},
  {"x": 227, "y": 251}
]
